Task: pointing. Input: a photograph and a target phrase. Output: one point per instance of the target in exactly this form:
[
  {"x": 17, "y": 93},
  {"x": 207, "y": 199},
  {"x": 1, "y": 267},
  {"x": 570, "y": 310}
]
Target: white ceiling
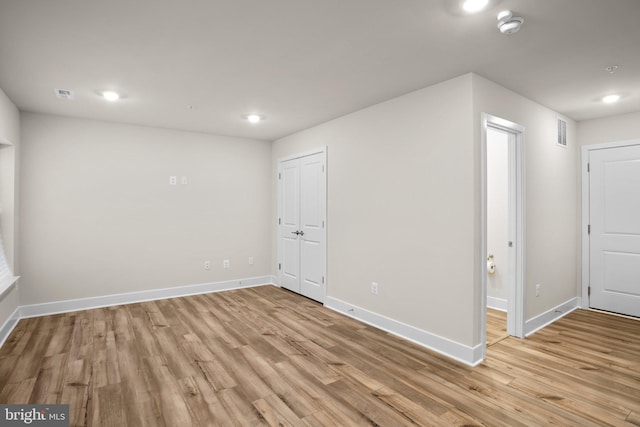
[{"x": 303, "y": 62}]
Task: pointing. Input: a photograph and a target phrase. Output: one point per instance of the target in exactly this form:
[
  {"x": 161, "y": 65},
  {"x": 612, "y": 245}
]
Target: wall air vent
[
  {"x": 562, "y": 133},
  {"x": 64, "y": 94}
]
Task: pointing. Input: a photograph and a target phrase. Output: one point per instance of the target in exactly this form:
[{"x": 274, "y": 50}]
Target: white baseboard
[
  {"x": 8, "y": 326},
  {"x": 471, "y": 356},
  {"x": 497, "y": 303},
  {"x": 534, "y": 324},
  {"x": 56, "y": 307},
  {"x": 275, "y": 280}
]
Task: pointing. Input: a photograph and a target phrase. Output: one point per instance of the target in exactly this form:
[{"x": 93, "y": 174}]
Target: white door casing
[
  {"x": 302, "y": 224},
  {"x": 614, "y": 237}
]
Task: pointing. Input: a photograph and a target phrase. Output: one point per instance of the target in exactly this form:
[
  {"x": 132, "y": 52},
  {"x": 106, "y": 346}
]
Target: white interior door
[
  {"x": 302, "y": 216},
  {"x": 288, "y": 228},
  {"x": 614, "y": 240}
]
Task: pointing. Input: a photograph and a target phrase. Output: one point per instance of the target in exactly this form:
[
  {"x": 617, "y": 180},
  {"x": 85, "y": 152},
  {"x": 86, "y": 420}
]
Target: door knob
[
  {"x": 301, "y": 233},
  {"x": 297, "y": 233}
]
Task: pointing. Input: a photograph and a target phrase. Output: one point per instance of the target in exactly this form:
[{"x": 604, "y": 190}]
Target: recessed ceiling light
[
  {"x": 610, "y": 99},
  {"x": 110, "y": 95},
  {"x": 254, "y": 118},
  {"x": 474, "y": 5}
]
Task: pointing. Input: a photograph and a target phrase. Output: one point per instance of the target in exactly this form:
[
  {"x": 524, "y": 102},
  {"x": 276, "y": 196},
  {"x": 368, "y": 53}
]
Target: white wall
[
  {"x": 498, "y": 211},
  {"x": 401, "y": 207},
  {"x": 551, "y": 193},
  {"x": 610, "y": 129},
  {"x": 9, "y": 133},
  {"x": 99, "y": 218}
]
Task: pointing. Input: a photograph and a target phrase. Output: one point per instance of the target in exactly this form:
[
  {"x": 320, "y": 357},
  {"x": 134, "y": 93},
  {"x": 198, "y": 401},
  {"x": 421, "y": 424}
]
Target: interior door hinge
[
  {"x": 589, "y": 229},
  {"x": 588, "y": 167},
  {"x": 279, "y": 221},
  {"x": 279, "y": 266},
  {"x": 322, "y": 168},
  {"x": 589, "y": 291},
  {"x": 279, "y": 175},
  {"x": 322, "y": 224},
  {"x": 322, "y": 279}
]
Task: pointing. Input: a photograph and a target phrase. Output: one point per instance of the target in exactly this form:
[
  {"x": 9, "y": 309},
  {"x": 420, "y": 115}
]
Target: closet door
[
  {"x": 312, "y": 236},
  {"x": 289, "y": 225},
  {"x": 301, "y": 225}
]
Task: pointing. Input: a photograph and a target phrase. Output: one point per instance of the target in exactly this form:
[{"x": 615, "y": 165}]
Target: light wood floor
[
  {"x": 496, "y": 326},
  {"x": 264, "y": 356}
]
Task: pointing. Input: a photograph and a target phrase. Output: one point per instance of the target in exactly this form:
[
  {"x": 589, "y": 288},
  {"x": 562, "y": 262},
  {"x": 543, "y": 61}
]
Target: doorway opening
[{"x": 502, "y": 230}]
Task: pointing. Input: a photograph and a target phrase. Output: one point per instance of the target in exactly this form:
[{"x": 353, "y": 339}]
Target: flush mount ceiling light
[
  {"x": 509, "y": 24},
  {"x": 610, "y": 99},
  {"x": 473, "y": 6},
  {"x": 110, "y": 95},
  {"x": 254, "y": 118}
]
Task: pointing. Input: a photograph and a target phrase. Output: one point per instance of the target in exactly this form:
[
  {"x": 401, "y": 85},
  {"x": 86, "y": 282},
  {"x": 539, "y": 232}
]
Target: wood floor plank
[
  {"x": 297, "y": 402},
  {"x": 203, "y": 402},
  {"x": 168, "y": 397},
  {"x": 496, "y": 326},
  {"x": 49, "y": 383},
  {"x": 112, "y": 411},
  {"x": 275, "y": 412},
  {"x": 265, "y": 356},
  {"x": 333, "y": 406},
  {"x": 241, "y": 411},
  {"x": 18, "y": 392}
]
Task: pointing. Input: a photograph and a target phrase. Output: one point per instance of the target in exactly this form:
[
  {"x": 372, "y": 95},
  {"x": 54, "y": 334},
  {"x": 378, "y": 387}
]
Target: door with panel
[
  {"x": 614, "y": 222},
  {"x": 302, "y": 225}
]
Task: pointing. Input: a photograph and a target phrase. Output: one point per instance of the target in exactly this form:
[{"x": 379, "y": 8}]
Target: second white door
[
  {"x": 614, "y": 209},
  {"x": 301, "y": 225}
]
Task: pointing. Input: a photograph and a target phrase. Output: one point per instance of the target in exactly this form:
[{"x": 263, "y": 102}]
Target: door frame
[
  {"x": 320, "y": 150},
  {"x": 584, "y": 232},
  {"x": 516, "y": 285}
]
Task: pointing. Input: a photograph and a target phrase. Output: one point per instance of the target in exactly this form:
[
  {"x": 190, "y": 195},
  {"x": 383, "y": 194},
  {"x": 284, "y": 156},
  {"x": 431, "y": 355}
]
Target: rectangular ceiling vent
[
  {"x": 64, "y": 94},
  {"x": 562, "y": 133}
]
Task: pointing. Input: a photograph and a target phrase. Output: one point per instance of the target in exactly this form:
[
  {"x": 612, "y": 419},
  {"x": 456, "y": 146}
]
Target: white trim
[
  {"x": 303, "y": 154},
  {"x": 534, "y": 324},
  {"x": 471, "y": 356},
  {"x": 497, "y": 303},
  {"x": 8, "y": 326},
  {"x": 56, "y": 307},
  {"x": 586, "y": 149},
  {"x": 275, "y": 280},
  {"x": 516, "y": 286},
  {"x": 7, "y": 284}
]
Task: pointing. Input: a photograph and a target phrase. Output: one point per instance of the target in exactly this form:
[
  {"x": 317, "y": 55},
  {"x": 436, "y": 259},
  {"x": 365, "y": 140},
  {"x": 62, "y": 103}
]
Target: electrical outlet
[
  {"x": 173, "y": 180},
  {"x": 226, "y": 263},
  {"x": 207, "y": 265},
  {"x": 538, "y": 290},
  {"x": 374, "y": 288},
  {"x": 251, "y": 260}
]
